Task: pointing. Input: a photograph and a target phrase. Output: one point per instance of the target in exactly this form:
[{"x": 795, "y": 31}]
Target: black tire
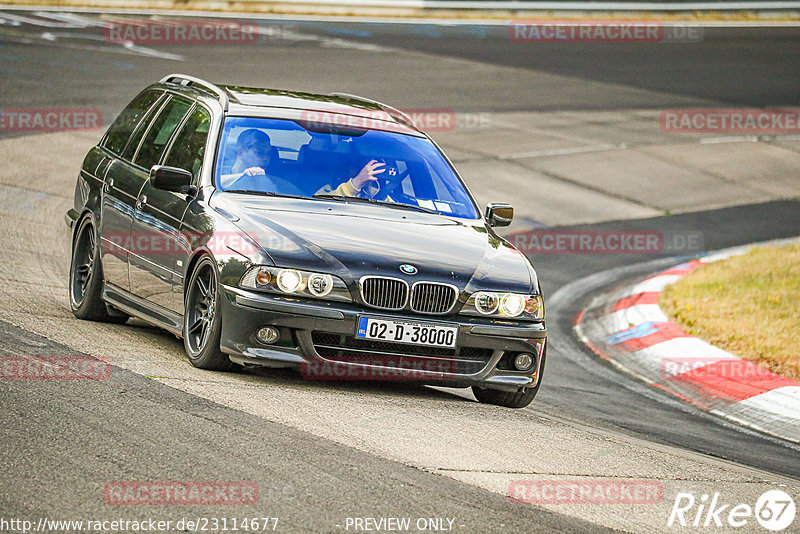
[
  {"x": 86, "y": 278},
  {"x": 202, "y": 325},
  {"x": 510, "y": 399}
]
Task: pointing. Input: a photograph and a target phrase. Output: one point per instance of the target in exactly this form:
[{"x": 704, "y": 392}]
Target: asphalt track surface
[
  {"x": 151, "y": 431},
  {"x": 162, "y": 434}
]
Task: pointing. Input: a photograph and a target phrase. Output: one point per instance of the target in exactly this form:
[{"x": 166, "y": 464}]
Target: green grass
[{"x": 747, "y": 305}]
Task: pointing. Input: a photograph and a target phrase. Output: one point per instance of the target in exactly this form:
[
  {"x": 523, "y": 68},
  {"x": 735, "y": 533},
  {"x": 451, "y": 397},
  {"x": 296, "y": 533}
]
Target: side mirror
[
  {"x": 499, "y": 214},
  {"x": 172, "y": 179}
]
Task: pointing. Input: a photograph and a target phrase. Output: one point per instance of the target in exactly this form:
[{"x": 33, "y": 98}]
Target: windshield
[{"x": 292, "y": 158}]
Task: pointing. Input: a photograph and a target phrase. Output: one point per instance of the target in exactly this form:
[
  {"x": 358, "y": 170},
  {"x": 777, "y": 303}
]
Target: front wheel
[
  {"x": 86, "y": 278},
  {"x": 202, "y": 324}
]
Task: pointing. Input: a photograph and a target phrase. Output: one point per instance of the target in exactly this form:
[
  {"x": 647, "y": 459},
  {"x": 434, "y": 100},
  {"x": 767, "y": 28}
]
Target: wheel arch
[
  {"x": 196, "y": 257},
  {"x": 85, "y": 214}
]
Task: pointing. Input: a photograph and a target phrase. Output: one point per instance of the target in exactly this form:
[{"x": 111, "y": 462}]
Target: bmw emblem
[{"x": 408, "y": 269}]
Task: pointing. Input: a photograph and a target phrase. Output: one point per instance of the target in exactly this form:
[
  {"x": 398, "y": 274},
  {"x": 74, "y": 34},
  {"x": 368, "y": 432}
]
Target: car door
[
  {"x": 157, "y": 214},
  {"x": 186, "y": 152},
  {"x": 120, "y": 186}
]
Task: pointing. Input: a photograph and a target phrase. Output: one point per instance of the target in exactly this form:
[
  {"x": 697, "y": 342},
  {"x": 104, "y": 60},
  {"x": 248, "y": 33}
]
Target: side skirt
[{"x": 143, "y": 309}]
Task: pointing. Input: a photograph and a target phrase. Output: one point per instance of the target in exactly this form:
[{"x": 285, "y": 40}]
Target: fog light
[
  {"x": 289, "y": 280},
  {"x": 267, "y": 335},
  {"x": 523, "y": 361}
]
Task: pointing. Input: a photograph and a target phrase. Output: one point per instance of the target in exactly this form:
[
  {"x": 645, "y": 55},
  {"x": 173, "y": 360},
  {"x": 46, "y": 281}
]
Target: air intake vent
[
  {"x": 384, "y": 293},
  {"x": 432, "y": 298}
]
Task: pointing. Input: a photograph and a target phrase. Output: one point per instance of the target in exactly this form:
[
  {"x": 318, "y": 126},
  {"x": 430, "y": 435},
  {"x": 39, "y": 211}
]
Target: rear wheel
[
  {"x": 510, "y": 399},
  {"x": 86, "y": 278},
  {"x": 202, "y": 324}
]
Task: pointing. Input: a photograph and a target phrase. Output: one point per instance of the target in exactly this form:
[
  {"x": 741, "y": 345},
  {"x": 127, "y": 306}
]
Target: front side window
[
  {"x": 295, "y": 158},
  {"x": 123, "y": 126},
  {"x": 160, "y": 132}
]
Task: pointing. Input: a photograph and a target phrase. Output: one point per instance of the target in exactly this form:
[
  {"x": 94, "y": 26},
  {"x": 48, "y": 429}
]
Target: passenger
[{"x": 365, "y": 184}]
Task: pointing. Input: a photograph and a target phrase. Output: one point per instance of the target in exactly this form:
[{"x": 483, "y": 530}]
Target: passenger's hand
[
  {"x": 367, "y": 174},
  {"x": 253, "y": 171}
]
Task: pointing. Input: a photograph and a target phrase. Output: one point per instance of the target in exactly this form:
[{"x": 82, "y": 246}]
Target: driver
[
  {"x": 249, "y": 172},
  {"x": 253, "y": 151},
  {"x": 364, "y": 184}
]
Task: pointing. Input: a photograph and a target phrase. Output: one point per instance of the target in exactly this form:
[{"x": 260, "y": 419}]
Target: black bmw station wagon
[{"x": 326, "y": 233}]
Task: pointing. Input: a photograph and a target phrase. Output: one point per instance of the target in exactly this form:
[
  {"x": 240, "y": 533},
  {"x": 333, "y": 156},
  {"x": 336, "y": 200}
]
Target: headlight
[
  {"x": 295, "y": 282},
  {"x": 512, "y": 304},
  {"x": 486, "y": 303},
  {"x": 320, "y": 284},
  {"x": 289, "y": 280},
  {"x": 501, "y": 304}
]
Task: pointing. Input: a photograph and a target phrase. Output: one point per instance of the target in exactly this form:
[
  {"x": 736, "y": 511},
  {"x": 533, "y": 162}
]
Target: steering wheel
[{"x": 393, "y": 179}]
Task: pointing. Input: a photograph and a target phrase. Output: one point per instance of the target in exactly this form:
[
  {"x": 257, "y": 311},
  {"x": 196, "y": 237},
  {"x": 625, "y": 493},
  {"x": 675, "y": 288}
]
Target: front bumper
[{"x": 318, "y": 337}]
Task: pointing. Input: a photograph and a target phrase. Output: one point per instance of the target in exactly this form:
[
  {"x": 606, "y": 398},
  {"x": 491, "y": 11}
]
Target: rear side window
[
  {"x": 136, "y": 136},
  {"x": 121, "y": 130},
  {"x": 161, "y": 131},
  {"x": 187, "y": 149}
]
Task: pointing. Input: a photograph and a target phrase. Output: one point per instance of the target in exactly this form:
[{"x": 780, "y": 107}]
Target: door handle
[
  {"x": 141, "y": 201},
  {"x": 108, "y": 185}
]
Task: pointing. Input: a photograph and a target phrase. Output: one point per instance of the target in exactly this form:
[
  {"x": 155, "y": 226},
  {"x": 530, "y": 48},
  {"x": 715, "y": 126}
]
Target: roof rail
[
  {"x": 187, "y": 81},
  {"x": 394, "y": 112}
]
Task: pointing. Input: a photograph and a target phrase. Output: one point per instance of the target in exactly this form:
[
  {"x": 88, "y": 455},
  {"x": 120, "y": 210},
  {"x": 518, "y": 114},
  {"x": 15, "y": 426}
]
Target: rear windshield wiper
[{"x": 345, "y": 198}]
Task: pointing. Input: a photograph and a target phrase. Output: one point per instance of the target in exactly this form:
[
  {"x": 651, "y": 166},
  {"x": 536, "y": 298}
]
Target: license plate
[{"x": 409, "y": 332}]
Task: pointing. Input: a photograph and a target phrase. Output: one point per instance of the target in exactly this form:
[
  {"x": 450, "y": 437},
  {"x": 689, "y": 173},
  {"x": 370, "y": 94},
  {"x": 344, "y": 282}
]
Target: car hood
[{"x": 352, "y": 240}]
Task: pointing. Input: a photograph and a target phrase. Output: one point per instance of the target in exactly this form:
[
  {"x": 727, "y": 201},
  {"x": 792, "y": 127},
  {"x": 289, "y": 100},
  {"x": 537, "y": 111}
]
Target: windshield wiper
[
  {"x": 262, "y": 193},
  {"x": 329, "y": 196},
  {"x": 408, "y": 207},
  {"x": 345, "y": 198}
]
